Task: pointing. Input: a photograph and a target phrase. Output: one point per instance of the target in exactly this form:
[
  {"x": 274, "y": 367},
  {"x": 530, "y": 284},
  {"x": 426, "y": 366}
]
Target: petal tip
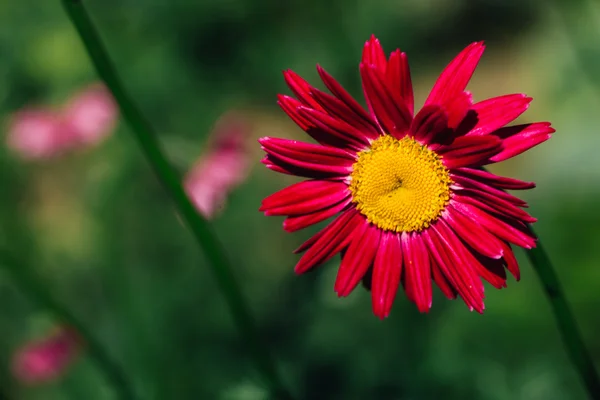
[
  {"x": 286, "y": 225},
  {"x": 263, "y": 139},
  {"x": 382, "y": 315},
  {"x": 342, "y": 288},
  {"x": 424, "y": 307},
  {"x": 381, "y": 308},
  {"x": 424, "y": 310},
  {"x": 300, "y": 268},
  {"x": 372, "y": 39}
]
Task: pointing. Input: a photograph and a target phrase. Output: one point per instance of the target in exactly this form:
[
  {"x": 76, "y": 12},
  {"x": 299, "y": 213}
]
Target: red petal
[
  {"x": 489, "y": 202},
  {"x": 417, "y": 271},
  {"x": 455, "y": 77},
  {"x": 313, "y": 157},
  {"x": 338, "y": 91},
  {"x": 267, "y": 160},
  {"x": 336, "y": 128},
  {"x": 492, "y": 270},
  {"x": 492, "y": 180},
  {"x": 429, "y": 122},
  {"x": 312, "y": 240},
  {"x": 341, "y": 110},
  {"x": 387, "y": 271},
  {"x": 308, "y": 151},
  {"x": 466, "y": 269},
  {"x": 297, "y": 222},
  {"x": 318, "y": 100},
  {"x": 489, "y": 269},
  {"x": 511, "y": 261},
  {"x": 457, "y": 108},
  {"x": 473, "y": 234},
  {"x": 358, "y": 258},
  {"x": 304, "y": 197},
  {"x": 373, "y": 54},
  {"x": 470, "y": 183},
  {"x": 290, "y": 106},
  {"x": 496, "y": 112},
  {"x": 520, "y": 138},
  {"x": 331, "y": 240},
  {"x": 459, "y": 275},
  {"x": 301, "y": 89},
  {"x": 393, "y": 117},
  {"x": 306, "y": 169},
  {"x": 469, "y": 151},
  {"x": 399, "y": 81},
  {"x": 438, "y": 277},
  {"x": 278, "y": 165},
  {"x": 518, "y": 235}
]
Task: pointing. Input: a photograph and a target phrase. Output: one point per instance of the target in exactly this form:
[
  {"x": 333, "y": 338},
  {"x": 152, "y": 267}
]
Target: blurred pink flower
[
  {"x": 46, "y": 359},
  {"x": 86, "y": 119},
  {"x": 223, "y": 167},
  {"x": 37, "y": 133},
  {"x": 91, "y": 115}
]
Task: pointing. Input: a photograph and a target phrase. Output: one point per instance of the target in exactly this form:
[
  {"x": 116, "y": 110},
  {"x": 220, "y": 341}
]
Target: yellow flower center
[{"x": 400, "y": 185}]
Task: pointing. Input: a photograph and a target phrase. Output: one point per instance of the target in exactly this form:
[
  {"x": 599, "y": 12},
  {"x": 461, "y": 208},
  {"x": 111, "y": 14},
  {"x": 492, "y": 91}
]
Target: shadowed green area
[{"x": 104, "y": 237}]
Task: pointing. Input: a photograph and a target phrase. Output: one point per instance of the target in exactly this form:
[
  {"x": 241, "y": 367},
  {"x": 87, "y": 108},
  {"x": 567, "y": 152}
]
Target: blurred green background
[{"x": 103, "y": 236}]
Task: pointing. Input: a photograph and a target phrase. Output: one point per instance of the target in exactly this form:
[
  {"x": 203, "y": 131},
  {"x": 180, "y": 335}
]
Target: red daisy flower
[{"x": 413, "y": 202}]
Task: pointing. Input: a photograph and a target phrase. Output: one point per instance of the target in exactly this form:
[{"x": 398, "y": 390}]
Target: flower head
[
  {"x": 412, "y": 202},
  {"x": 224, "y": 166},
  {"x": 47, "y": 359},
  {"x": 42, "y": 132}
]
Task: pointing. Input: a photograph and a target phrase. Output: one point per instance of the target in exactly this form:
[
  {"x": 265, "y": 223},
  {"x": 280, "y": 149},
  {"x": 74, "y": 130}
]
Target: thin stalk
[
  {"x": 567, "y": 326},
  {"x": 25, "y": 280},
  {"x": 206, "y": 239}
]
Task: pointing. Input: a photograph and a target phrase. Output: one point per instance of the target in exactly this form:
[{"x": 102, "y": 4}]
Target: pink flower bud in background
[
  {"x": 46, "y": 359},
  {"x": 37, "y": 133},
  {"x": 224, "y": 166},
  {"x": 91, "y": 115},
  {"x": 42, "y": 133}
]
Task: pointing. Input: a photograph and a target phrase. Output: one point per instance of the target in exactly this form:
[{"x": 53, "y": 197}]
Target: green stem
[
  {"x": 206, "y": 239},
  {"x": 565, "y": 320},
  {"x": 26, "y": 281}
]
